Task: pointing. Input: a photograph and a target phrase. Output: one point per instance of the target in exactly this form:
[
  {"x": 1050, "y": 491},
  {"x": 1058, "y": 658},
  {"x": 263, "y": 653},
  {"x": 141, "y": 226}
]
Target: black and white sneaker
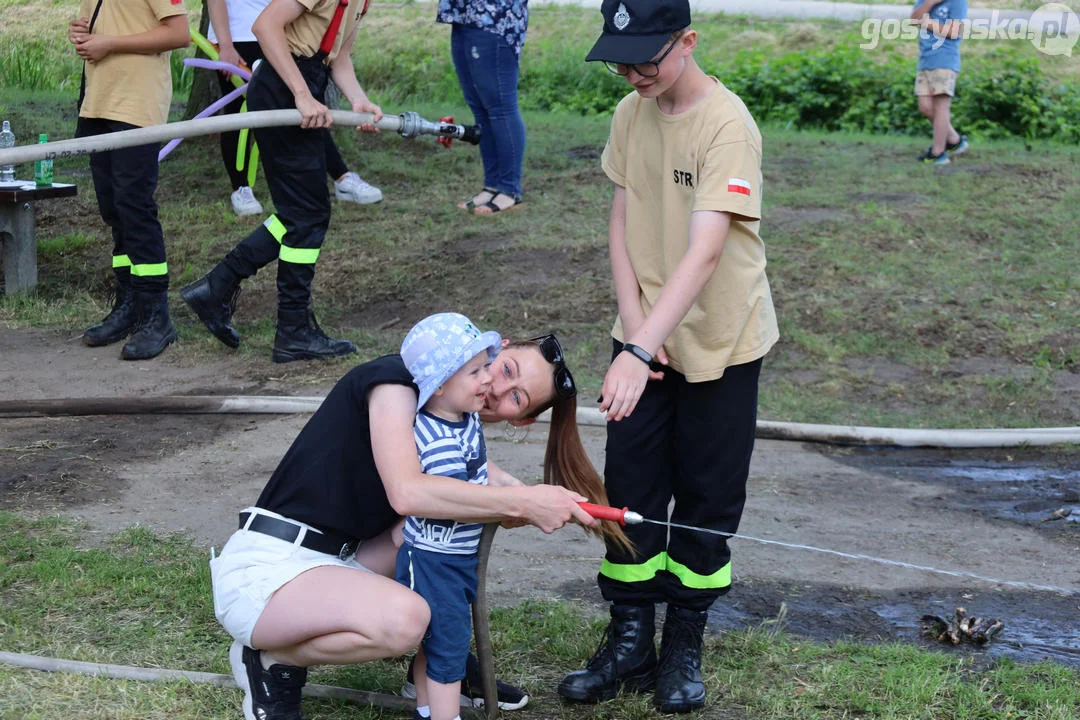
[
  {"x": 959, "y": 148},
  {"x": 472, "y": 688},
  {"x": 272, "y": 694}
]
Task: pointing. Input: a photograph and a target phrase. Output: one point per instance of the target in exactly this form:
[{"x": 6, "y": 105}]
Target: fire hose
[
  {"x": 625, "y": 516},
  {"x": 407, "y": 124}
]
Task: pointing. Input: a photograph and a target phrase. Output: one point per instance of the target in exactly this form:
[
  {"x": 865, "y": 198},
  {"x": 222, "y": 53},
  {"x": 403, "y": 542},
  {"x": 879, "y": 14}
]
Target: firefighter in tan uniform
[{"x": 127, "y": 85}]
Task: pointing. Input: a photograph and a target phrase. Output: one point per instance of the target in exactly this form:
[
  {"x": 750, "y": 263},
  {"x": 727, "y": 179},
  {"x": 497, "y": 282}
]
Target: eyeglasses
[
  {"x": 553, "y": 353},
  {"x": 646, "y": 69}
]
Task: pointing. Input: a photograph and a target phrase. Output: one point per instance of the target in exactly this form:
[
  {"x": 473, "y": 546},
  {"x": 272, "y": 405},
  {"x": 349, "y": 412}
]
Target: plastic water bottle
[
  {"x": 7, "y": 140},
  {"x": 43, "y": 168}
]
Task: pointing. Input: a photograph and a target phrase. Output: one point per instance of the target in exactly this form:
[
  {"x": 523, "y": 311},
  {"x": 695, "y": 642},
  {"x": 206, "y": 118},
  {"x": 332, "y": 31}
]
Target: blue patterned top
[{"x": 508, "y": 18}]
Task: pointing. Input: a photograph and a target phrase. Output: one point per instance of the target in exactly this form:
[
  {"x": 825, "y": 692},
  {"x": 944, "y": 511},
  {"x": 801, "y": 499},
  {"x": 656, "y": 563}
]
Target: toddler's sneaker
[
  {"x": 272, "y": 694},
  {"x": 930, "y": 158},
  {"x": 959, "y": 148},
  {"x": 353, "y": 189},
  {"x": 472, "y": 688},
  {"x": 244, "y": 202}
]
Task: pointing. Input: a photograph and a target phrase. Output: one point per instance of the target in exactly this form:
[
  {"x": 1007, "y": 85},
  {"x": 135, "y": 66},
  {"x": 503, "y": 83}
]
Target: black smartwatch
[{"x": 639, "y": 352}]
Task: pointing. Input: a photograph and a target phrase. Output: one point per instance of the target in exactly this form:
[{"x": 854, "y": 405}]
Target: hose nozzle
[
  {"x": 412, "y": 125},
  {"x": 623, "y": 516}
]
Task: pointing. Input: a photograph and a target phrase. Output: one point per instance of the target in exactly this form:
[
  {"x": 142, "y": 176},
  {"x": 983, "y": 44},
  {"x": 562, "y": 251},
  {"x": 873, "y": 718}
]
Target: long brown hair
[{"x": 567, "y": 465}]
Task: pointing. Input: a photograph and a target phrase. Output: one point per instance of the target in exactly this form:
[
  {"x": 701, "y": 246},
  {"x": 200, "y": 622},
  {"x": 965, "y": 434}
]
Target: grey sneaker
[
  {"x": 353, "y": 189},
  {"x": 244, "y": 202},
  {"x": 959, "y": 148},
  {"x": 930, "y": 158},
  {"x": 472, "y": 690}
]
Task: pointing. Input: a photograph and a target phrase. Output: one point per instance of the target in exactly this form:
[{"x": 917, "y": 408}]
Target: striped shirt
[{"x": 457, "y": 450}]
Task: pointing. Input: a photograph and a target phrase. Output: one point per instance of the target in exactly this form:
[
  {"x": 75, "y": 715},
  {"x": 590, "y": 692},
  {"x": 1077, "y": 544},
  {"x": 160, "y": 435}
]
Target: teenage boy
[
  {"x": 941, "y": 22},
  {"x": 305, "y": 44},
  {"x": 695, "y": 320},
  {"x": 128, "y": 84}
]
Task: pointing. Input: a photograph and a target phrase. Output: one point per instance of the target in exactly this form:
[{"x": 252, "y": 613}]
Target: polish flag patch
[{"x": 738, "y": 185}]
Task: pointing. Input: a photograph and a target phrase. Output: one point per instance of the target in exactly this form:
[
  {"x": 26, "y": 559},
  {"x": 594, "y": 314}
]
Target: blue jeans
[{"x": 487, "y": 68}]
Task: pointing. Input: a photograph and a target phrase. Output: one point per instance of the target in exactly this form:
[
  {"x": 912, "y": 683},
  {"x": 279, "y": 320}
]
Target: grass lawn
[
  {"x": 907, "y": 295},
  {"x": 142, "y": 599}
]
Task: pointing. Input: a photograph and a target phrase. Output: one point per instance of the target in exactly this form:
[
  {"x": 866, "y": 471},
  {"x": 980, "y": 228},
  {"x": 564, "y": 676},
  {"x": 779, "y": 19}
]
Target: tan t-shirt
[
  {"x": 306, "y": 32},
  {"x": 129, "y": 87},
  {"x": 707, "y": 158}
]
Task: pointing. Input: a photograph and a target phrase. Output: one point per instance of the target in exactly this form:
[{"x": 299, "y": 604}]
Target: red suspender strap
[{"x": 331, "y": 32}]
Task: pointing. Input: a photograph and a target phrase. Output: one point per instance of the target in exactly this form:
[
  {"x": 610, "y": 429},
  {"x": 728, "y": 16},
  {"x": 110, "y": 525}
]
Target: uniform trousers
[{"x": 689, "y": 443}]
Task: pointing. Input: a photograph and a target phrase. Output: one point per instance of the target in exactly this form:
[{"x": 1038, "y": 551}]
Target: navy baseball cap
[{"x": 636, "y": 30}]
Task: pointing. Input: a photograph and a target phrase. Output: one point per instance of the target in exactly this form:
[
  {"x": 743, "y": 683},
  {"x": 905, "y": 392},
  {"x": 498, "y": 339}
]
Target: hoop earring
[{"x": 514, "y": 433}]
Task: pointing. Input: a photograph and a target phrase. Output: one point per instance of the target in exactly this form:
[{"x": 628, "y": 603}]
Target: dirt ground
[{"x": 983, "y": 512}]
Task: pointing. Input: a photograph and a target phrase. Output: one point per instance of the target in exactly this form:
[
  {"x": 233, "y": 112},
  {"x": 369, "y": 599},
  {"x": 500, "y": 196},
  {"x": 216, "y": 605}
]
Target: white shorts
[{"x": 252, "y": 567}]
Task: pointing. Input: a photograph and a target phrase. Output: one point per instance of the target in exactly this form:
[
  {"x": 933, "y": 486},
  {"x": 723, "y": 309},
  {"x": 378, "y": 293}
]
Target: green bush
[
  {"x": 842, "y": 88},
  {"x": 1012, "y": 98}
]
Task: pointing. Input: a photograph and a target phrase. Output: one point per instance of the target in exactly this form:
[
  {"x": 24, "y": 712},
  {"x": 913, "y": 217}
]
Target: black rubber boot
[
  {"x": 213, "y": 298},
  {"x": 679, "y": 687},
  {"x": 625, "y": 660},
  {"x": 154, "y": 329},
  {"x": 299, "y": 337},
  {"x": 120, "y": 321}
]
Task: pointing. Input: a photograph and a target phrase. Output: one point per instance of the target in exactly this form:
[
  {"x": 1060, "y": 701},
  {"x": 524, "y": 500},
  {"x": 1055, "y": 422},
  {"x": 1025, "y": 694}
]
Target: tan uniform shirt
[
  {"x": 129, "y": 87},
  {"x": 707, "y": 158},
  {"x": 306, "y": 32}
]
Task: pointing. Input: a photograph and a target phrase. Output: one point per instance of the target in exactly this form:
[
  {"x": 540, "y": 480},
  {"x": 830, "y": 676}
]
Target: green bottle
[{"x": 43, "y": 168}]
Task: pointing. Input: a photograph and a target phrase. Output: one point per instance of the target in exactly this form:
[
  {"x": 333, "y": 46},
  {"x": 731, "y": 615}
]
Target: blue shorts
[{"x": 448, "y": 583}]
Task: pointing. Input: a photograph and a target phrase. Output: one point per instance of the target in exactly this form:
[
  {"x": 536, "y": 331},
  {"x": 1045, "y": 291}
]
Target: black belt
[{"x": 330, "y": 543}]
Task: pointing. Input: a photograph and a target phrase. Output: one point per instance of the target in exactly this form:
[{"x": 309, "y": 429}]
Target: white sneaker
[
  {"x": 244, "y": 202},
  {"x": 353, "y": 189}
]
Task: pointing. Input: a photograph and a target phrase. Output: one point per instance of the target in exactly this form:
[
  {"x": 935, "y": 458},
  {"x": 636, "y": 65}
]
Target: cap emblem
[{"x": 621, "y": 18}]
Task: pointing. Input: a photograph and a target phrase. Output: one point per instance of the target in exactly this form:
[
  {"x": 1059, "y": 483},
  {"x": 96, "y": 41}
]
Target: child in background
[
  {"x": 306, "y": 45},
  {"x": 935, "y": 77},
  {"x": 128, "y": 84},
  {"x": 449, "y": 360},
  {"x": 230, "y": 28}
]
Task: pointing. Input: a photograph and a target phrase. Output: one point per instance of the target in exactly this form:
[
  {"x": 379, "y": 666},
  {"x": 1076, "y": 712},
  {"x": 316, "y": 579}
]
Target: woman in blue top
[{"x": 486, "y": 43}]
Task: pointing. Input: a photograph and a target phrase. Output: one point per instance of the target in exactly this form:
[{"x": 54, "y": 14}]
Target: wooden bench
[{"x": 18, "y": 232}]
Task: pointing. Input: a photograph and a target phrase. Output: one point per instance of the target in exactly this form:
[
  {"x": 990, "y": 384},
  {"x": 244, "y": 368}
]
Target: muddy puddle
[
  {"x": 1042, "y": 492},
  {"x": 1038, "y": 492},
  {"x": 1037, "y": 626}
]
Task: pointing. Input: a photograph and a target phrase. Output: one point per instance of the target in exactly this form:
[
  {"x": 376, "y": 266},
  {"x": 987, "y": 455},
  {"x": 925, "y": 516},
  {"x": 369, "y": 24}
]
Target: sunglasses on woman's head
[{"x": 553, "y": 353}]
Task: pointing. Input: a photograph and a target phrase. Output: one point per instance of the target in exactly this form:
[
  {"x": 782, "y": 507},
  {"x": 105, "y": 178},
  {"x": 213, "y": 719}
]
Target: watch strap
[{"x": 639, "y": 352}]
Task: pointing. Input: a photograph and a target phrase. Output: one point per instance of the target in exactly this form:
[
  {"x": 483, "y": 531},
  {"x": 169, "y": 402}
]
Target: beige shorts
[
  {"x": 935, "y": 82},
  {"x": 251, "y": 568}
]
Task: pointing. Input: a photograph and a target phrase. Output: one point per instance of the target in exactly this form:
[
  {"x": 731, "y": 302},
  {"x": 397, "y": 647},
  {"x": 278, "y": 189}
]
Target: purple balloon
[
  {"x": 207, "y": 112},
  {"x": 218, "y": 65}
]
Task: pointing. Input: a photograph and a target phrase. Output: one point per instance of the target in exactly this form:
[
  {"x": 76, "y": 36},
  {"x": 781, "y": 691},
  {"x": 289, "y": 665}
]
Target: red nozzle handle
[
  {"x": 442, "y": 139},
  {"x": 605, "y": 512}
]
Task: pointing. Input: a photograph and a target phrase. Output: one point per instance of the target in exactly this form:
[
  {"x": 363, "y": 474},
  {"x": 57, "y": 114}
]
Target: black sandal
[
  {"x": 470, "y": 204},
  {"x": 490, "y": 204}
]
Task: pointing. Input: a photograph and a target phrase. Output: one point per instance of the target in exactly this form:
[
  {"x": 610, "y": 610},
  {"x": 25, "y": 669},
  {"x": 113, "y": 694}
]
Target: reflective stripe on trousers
[{"x": 691, "y": 443}]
